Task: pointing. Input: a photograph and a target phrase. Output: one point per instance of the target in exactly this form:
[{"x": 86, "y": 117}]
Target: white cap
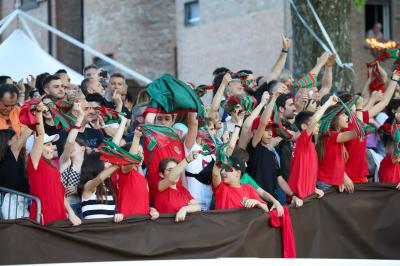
[{"x": 47, "y": 139}]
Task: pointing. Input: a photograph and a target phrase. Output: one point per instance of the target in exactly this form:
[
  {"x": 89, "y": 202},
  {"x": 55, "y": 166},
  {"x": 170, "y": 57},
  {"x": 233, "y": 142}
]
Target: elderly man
[{"x": 9, "y": 109}]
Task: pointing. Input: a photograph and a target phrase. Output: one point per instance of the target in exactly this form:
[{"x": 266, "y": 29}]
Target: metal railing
[{"x": 14, "y": 204}]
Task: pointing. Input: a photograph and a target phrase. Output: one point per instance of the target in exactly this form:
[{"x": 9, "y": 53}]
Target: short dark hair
[
  {"x": 94, "y": 97},
  {"x": 61, "y": 71},
  {"x": 8, "y": 88},
  {"x": 85, "y": 84},
  {"x": 271, "y": 85},
  {"x": 49, "y": 79},
  {"x": 393, "y": 104},
  {"x": 245, "y": 71},
  {"x": 220, "y": 70},
  {"x": 345, "y": 96},
  {"x": 241, "y": 154},
  {"x": 117, "y": 75},
  {"x": 217, "y": 81},
  {"x": 89, "y": 67},
  {"x": 164, "y": 162},
  {"x": 302, "y": 118},
  {"x": 39, "y": 82},
  {"x": 281, "y": 101},
  {"x": 3, "y": 79}
]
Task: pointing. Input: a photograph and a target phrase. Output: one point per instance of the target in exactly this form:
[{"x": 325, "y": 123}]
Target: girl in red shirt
[
  {"x": 173, "y": 198},
  {"x": 331, "y": 152},
  {"x": 44, "y": 177}
]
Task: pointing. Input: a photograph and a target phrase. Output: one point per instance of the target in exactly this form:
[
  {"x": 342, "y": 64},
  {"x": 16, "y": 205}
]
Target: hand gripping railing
[{"x": 11, "y": 202}]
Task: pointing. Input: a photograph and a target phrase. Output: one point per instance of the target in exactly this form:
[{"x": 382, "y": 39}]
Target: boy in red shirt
[
  {"x": 228, "y": 191},
  {"x": 304, "y": 163}
]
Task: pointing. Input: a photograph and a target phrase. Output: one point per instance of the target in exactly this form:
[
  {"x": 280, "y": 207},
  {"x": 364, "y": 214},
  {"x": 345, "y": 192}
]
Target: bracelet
[
  {"x": 237, "y": 126},
  {"x": 284, "y": 51},
  {"x": 394, "y": 79},
  {"x": 77, "y": 127}
]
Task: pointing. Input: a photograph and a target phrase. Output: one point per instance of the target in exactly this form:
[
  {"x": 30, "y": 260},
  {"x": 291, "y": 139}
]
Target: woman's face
[
  {"x": 343, "y": 121},
  {"x": 48, "y": 151},
  {"x": 78, "y": 150}
]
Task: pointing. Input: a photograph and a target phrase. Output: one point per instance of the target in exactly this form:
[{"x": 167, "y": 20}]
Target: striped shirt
[{"x": 94, "y": 209}]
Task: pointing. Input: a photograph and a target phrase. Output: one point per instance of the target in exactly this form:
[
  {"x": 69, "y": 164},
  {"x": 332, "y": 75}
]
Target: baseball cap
[
  {"x": 256, "y": 123},
  {"x": 238, "y": 164},
  {"x": 47, "y": 139}
]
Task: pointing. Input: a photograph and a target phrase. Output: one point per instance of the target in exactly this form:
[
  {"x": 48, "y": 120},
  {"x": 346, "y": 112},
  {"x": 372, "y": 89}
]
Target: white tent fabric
[{"x": 21, "y": 57}]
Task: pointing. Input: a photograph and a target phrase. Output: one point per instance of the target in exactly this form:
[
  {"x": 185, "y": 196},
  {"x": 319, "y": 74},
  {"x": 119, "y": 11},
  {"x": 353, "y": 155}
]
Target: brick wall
[{"x": 140, "y": 34}]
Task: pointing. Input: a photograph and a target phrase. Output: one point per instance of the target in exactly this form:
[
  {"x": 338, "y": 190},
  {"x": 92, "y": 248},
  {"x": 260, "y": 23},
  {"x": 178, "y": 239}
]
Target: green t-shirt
[{"x": 246, "y": 179}]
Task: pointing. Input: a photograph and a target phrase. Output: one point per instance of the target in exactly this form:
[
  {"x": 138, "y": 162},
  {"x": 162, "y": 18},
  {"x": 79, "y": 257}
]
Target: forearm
[
  {"x": 218, "y": 98},
  {"x": 120, "y": 132},
  {"x": 191, "y": 208},
  {"x": 177, "y": 171},
  {"x": 193, "y": 126},
  {"x": 326, "y": 84},
  {"x": 233, "y": 141},
  {"x": 277, "y": 68},
  {"x": 68, "y": 208},
  {"x": 263, "y": 206},
  {"x": 135, "y": 144},
  {"x": 284, "y": 186}
]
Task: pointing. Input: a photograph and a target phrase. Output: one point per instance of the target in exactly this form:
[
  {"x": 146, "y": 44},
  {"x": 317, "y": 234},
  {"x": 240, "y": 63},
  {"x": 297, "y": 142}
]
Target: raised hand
[
  {"x": 286, "y": 41},
  {"x": 331, "y": 60}
]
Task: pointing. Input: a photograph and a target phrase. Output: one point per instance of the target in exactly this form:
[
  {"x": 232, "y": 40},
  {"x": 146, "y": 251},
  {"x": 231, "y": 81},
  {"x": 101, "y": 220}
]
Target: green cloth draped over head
[
  {"x": 170, "y": 95},
  {"x": 248, "y": 103}
]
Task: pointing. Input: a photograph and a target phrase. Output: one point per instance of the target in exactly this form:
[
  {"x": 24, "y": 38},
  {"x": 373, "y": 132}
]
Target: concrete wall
[
  {"x": 232, "y": 33},
  {"x": 138, "y": 33}
]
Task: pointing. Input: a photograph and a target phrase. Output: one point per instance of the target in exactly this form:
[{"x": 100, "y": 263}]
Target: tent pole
[
  {"x": 87, "y": 48},
  {"x": 4, "y": 19},
  {"x": 28, "y": 29},
  {"x": 8, "y": 21}
]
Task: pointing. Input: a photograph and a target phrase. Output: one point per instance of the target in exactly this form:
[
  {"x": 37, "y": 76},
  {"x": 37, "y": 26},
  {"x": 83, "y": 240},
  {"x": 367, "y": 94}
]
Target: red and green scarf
[
  {"x": 27, "y": 114},
  {"x": 202, "y": 89},
  {"x": 307, "y": 81},
  {"x": 393, "y": 53},
  {"x": 114, "y": 154},
  {"x": 207, "y": 141},
  {"x": 156, "y": 137},
  {"x": 248, "y": 103},
  {"x": 377, "y": 82},
  {"x": 110, "y": 116},
  {"x": 395, "y": 132},
  {"x": 281, "y": 131}
]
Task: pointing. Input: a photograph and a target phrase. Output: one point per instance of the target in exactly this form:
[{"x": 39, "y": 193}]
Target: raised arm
[
  {"x": 319, "y": 113},
  {"x": 120, "y": 131},
  {"x": 246, "y": 133},
  {"x": 90, "y": 186},
  {"x": 177, "y": 171},
  {"x": 236, "y": 132},
  {"x": 326, "y": 84},
  {"x": 321, "y": 61},
  {"x": 266, "y": 115},
  {"x": 216, "y": 176},
  {"x": 65, "y": 158},
  {"x": 376, "y": 96},
  {"x": 17, "y": 146},
  {"x": 193, "y": 127},
  {"x": 377, "y": 108},
  {"x": 280, "y": 63},
  {"x": 220, "y": 92},
  {"x": 37, "y": 148},
  {"x": 133, "y": 150}
]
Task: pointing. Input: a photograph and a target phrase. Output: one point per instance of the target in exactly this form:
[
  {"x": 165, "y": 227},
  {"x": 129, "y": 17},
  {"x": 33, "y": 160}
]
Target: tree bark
[{"x": 335, "y": 16}]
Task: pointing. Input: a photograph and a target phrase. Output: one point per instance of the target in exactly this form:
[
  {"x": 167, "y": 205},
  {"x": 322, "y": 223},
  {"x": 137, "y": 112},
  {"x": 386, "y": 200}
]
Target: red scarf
[{"x": 289, "y": 246}]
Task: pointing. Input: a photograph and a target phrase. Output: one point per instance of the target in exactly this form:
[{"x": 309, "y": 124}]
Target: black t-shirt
[
  {"x": 284, "y": 149},
  {"x": 263, "y": 167},
  {"x": 93, "y": 138},
  {"x": 111, "y": 105},
  {"x": 12, "y": 173}
]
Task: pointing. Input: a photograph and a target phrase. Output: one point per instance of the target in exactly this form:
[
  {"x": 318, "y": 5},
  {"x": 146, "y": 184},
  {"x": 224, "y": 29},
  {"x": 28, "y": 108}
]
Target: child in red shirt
[
  {"x": 229, "y": 193},
  {"x": 172, "y": 197},
  {"x": 331, "y": 152},
  {"x": 304, "y": 163}
]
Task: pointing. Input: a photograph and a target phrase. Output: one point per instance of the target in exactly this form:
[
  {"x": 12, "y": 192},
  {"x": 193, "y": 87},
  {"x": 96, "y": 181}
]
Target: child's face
[
  {"x": 343, "y": 121},
  {"x": 230, "y": 175},
  {"x": 48, "y": 150}
]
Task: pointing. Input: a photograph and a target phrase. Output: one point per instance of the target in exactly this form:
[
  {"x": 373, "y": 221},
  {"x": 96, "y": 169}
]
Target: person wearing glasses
[{"x": 9, "y": 109}]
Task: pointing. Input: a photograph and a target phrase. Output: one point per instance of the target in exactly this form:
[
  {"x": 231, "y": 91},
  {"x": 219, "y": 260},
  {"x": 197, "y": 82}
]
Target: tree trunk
[{"x": 335, "y": 16}]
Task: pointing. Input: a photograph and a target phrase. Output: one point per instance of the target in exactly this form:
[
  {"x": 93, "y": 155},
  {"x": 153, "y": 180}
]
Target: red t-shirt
[
  {"x": 133, "y": 193},
  {"x": 389, "y": 172},
  {"x": 172, "y": 150},
  {"x": 303, "y": 166},
  {"x": 171, "y": 199},
  {"x": 357, "y": 164},
  {"x": 331, "y": 168},
  {"x": 227, "y": 197}
]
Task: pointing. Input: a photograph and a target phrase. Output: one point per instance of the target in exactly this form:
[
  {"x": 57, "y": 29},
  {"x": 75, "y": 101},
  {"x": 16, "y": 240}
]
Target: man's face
[
  {"x": 165, "y": 120},
  {"x": 123, "y": 92},
  {"x": 217, "y": 121},
  {"x": 9, "y": 81},
  {"x": 251, "y": 82},
  {"x": 235, "y": 88},
  {"x": 116, "y": 84},
  {"x": 7, "y": 103},
  {"x": 92, "y": 111},
  {"x": 66, "y": 80},
  {"x": 55, "y": 89},
  {"x": 72, "y": 92},
  {"x": 290, "y": 109},
  {"x": 91, "y": 73}
]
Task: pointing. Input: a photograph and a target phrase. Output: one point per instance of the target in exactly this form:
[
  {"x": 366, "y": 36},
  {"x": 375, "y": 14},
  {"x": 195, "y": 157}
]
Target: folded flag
[
  {"x": 170, "y": 95},
  {"x": 61, "y": 119},
  {"x": 110, "y": 116},
  {"x": 377, "y": 82},
  {"x": 26, "y": 114},
  {"x": 156, "y": 137},
  {"x": 207, "y": 141},
  {"x": 114, "y": 154},
  {"x": 202, "y": 89}
]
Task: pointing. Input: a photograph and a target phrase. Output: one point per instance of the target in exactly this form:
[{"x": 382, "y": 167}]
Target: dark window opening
[
  {"x": 192, "y": 13},
  {"x": 378, "y": 12}
]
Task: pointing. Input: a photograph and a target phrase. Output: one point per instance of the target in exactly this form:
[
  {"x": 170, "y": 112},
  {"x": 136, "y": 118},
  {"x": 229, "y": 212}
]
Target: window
[
  {"x": 378, "y": 11},
  {"x": 192, "y": 13},
  {"x": 28, "y": 4},
  {"x": 103, "y": 64}
]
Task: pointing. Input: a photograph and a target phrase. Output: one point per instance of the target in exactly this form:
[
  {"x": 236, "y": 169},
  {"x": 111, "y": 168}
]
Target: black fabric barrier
[{"x": 365, "y": 224}]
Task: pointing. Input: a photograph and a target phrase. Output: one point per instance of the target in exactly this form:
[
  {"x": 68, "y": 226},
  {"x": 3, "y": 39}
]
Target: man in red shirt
[
  {"x": 229, "y": 193},
  {"x": 304, "y": 163}
]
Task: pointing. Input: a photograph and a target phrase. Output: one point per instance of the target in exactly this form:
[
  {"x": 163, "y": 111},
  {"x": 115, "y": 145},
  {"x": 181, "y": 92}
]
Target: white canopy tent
[
  {"x": 21, "y": 57},
  {"x": 18, "y": 39}
]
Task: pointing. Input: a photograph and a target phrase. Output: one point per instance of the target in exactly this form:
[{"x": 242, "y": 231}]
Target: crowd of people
[{"x": 91, "y": 151}]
